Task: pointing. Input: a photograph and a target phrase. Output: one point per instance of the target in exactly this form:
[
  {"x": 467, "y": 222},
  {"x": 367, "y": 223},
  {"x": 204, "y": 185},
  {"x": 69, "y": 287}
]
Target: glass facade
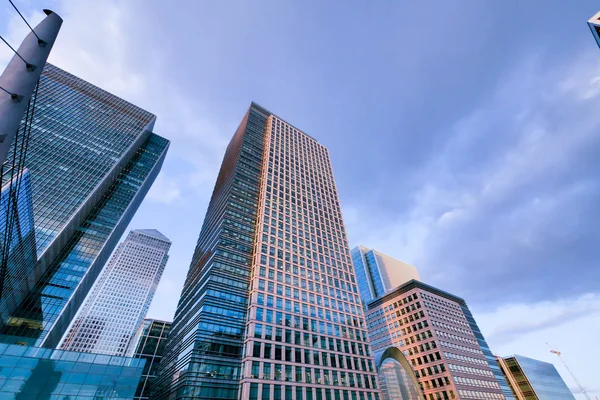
[
  {"x": 270, "y": 308},
  {"x": 396, "y": 377},
  {"x": 532, "y": 379},
  {"x": 363, "y": 280},
  {"x": 38, "y": 373},
  {"x": 378, "y": 273},
  {"x": 375, "y": 274},
  {"x": 485, "y": 349},
  {"x": 152, "y": 338},
  {"x": 204, "y": 350},
  {"x": 18, "y": 279},
  {"x": 119, "y": 301},
  {"x": 92, "y": 158},
  {"x": 395, "y": 382}
]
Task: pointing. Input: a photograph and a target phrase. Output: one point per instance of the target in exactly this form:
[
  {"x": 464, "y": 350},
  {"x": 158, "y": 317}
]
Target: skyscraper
[
  {"x": 92, "y": 158},
  {"x": 119, "y": 301},
  {"x": 594, "y": 24},
  {"x": 438, "y": 335},
  {"x": 532, "y": 379},
  {"x": 150, "y": 345},
  {"x": 18, "y": 243},
  {"x": 270, "y": 307},
  {"x": 378, "y": 274}
]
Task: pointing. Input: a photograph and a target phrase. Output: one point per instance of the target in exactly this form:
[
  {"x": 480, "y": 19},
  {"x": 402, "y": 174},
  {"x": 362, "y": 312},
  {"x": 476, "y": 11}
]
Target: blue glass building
[
  {"x": 39, "y": 373},
  {"x": 397, "y": 378},
  {"x": 150, "y": 346},
  {"x": 532, "y": 379},
  {"x": 204, "y": 348},
  {"x": 19, "y": 239},
  {"x": 92, "y": 158},
  {"x": 378, "y": 273}
]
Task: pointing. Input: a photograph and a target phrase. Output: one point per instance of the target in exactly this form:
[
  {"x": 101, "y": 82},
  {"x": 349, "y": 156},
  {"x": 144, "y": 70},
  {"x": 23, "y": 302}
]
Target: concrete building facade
[{"x": 439, "y": 337}]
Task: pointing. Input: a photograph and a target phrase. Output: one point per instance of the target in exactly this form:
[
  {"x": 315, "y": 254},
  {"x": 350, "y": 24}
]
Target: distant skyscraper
[
  {"x": 378, "y": 274},
  {"x": 119, "y": 301},
  {"x": 533, "y": 379},
  {"x": 594, "y": 24},
  {"x": 91, "y": 158},
  {"x": 150, "y": 345},
  {"x": 438, "y": 335},
  {"x": 270, "y": 307}
]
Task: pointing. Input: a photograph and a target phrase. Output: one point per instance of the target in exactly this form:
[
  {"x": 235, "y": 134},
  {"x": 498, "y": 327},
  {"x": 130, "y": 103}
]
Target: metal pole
[{"x": 19, "y": 78}]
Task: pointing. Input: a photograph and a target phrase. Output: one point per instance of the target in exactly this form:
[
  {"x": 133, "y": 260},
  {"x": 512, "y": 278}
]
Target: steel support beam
[{"x": 20, "y": 78}]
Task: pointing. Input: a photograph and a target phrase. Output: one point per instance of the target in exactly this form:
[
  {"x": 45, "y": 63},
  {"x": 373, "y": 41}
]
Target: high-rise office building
[
  {"x": 17, "y": 239},
  {"x": 594, "y": 24},
  {"x": 91, "y": 158},
  {"x": 270, "y": 307},
  {"x": 150, "y": 345},
  {"x": 438, "y": 335},
  {"x": 378, "y": 274},
  {"x": 119, "y": 300},
  {"x": 532, "y": 379}
]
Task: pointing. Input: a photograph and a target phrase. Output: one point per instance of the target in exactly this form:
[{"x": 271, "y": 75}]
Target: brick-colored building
[{"x": 439, "y": 337}]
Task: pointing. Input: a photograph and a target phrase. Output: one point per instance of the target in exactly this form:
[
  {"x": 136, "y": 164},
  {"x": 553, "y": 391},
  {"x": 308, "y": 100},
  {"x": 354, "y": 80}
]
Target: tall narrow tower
[
  {"x": 270, "y": 307},
  {"x": 119, "y": 301}
]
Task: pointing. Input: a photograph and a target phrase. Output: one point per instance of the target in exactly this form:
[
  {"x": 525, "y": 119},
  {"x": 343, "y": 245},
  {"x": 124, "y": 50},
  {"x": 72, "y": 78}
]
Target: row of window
[
  {"x": 312, "y": 340},
  {"x": 269, "y": 351},
  {"x": 296, "y": 373},
  {"x": 470, "y": 370},
  {"x": 296, "y": 321},
  {"x": 476, "y": 382},
  {"x": 470, "y": 394},
  {"x": 466, "y": 359}
]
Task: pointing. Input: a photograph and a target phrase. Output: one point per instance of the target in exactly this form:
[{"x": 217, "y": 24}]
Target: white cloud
[
  {"x": 164, "y": 190},
  {"x": 107, "y": 44},
  {"x": 533, "y": 147}
]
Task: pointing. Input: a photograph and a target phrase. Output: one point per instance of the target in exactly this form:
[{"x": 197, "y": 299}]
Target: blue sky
[{"x": 465, "y": 136}]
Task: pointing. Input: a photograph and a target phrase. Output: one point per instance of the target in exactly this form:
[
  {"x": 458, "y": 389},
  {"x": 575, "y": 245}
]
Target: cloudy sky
[{"x": 465, "y": 135}]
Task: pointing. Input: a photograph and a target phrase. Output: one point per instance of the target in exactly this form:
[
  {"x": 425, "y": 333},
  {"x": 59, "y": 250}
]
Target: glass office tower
[
  {"x": 378, "y": 273},
  {"x": 270, "y": 307},
  {"x": 92, "y": 158},
  {"x": 594, "y": 24},
  {"x": 119, "y": 301},
  {"x": 150, "y": 345},
  {"x": 18, "y": 242},
  {"x": 532, "y": 379}
]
